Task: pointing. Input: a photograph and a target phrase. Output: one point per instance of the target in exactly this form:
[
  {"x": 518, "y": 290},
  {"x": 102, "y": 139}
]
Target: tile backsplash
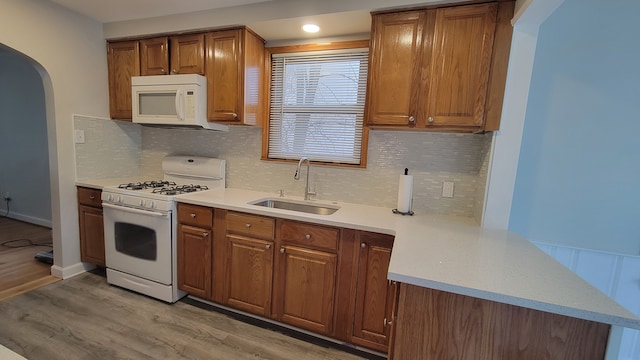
[
  {"x": 430, "y": 157},
  {"x": 111, "y": 150}
]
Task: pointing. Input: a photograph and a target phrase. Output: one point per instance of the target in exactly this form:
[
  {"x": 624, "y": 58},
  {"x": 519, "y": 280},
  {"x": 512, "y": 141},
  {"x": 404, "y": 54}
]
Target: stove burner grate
[
  {"x": 147, "y": 185},
  {"x": 179, "y": 189}
]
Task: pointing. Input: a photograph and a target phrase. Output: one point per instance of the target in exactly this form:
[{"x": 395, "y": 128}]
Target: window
[{"x": 317, "y": 105}]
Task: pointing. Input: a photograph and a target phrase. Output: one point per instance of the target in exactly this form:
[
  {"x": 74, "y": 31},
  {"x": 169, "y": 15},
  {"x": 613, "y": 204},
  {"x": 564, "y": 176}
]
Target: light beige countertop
[{"x": 453, "y": 254}]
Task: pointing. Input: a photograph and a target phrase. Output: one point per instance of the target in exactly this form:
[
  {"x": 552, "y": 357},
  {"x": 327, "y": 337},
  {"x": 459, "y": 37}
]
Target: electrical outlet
[
  {"x": 447, "y": 189},
  {"x": 78, "y": 136}
]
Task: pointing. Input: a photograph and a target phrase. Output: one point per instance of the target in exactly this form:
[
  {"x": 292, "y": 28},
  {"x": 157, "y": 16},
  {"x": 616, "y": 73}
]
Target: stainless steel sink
[{"x": 293, "y": 205}]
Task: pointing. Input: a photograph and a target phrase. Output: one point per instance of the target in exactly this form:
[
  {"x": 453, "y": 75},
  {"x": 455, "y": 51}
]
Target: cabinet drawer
[
  {"x": 89, "y": 197},
  {"x": 252, "y": 225},
  {"x": 309, "y": 235},
  {"x": 195, "y": 215}
]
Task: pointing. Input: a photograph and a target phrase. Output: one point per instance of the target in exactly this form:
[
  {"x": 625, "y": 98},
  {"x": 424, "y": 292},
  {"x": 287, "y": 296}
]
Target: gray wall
[
  {"x": 24, "y": 159},
  {"x": 579, "y": 172}
]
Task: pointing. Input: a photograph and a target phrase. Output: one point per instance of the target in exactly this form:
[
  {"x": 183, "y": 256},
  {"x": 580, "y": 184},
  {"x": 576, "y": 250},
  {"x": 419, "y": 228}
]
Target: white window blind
[{"x": 317, "y": 105}]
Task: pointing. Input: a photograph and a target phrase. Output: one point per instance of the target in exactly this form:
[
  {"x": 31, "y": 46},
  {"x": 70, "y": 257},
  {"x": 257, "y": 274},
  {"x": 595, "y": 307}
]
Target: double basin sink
[{"x": 293, "y": 205}]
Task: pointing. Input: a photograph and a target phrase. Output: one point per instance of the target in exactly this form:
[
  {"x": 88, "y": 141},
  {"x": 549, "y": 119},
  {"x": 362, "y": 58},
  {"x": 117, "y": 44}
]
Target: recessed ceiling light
[{"x": 310, "y": 28}]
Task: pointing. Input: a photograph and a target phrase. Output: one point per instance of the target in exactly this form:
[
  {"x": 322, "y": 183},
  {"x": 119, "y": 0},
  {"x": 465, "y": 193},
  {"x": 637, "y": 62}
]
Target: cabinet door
[
  {"x": 91, "y": 235},
  {"x": 462, "y": 47},
  {"x": 394, "y": 70},
  {"x": 375, "y": 294},
  {"x": 187, "y": 54},
  {"x": 154, "y": 56},
  {"x": 224, "y": 73},
  {"x": 249, "y": 274},
  {"x": 194, "y": 261},
  {"x": 123, "y": 60},
  {"x": 305, "y": 297}
]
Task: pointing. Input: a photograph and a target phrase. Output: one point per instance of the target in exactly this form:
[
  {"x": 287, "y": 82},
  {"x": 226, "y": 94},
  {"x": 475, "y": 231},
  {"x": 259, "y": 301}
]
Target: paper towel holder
[{"x": 409, "y": 212}]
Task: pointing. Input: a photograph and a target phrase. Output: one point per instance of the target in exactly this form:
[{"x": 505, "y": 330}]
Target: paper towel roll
[{"x": 405, "y": 192}]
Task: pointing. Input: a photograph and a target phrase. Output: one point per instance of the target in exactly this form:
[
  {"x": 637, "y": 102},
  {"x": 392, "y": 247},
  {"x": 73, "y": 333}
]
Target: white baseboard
[
  {"x": 27, "y": 218},
  {"x": 71, "y": 271}
]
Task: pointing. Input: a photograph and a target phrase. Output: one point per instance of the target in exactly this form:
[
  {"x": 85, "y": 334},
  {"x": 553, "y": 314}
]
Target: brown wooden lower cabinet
[
  {"x": 91, "y": 226},
  {"x": 304, "y": 296},
  {"x": 433, "y": 324},
  {"x": 249, "y": 274},
  {"x": 375, "y": 294},
  {"x": 194, "y": 261},
  {"x": 195, "y": 244}
]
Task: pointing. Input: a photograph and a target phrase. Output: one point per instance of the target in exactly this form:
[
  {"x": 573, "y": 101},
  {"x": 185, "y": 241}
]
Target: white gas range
[{"x": 140, "y": 225}]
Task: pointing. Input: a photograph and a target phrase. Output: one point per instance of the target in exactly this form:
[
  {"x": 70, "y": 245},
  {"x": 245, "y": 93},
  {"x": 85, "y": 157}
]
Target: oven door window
[{"x": 135, "y": 240}]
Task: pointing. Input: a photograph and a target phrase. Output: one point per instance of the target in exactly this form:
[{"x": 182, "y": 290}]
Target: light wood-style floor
[
  {"x": 19, "y": 271},
  {"x": 85, "y": 318}
]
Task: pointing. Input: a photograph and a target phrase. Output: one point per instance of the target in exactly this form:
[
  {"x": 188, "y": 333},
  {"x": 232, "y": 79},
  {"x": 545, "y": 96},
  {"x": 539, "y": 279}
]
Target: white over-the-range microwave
[{"x": 171, "y": 101}]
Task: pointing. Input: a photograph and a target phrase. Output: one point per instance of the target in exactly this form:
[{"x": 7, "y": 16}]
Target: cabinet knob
[
  {"x": 247, "y": 225},
  {"x": 412, "y": 119},
  {"x": 174, "y": 71},
  {"x": 363, "y": 245},
  {"x": 235, "y": 116},
  {"x": 430, "y": 119},
  {"x": 282, "y": 250},
  {"x": 268, "y": 246},
  {"x": 205, "y": 234},
  {"x": 308, "y": 236},
  {"x": 193, "y": 216},
  {"x": 385, "y": 322}
]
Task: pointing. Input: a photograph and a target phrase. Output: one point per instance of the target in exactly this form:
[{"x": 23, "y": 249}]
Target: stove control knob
[
  {"x": 142, "y": 203},
  {"x": 109, "y": 197},
  {"x": 152, "y": 205},
  {"x": 119, "y": 199}
]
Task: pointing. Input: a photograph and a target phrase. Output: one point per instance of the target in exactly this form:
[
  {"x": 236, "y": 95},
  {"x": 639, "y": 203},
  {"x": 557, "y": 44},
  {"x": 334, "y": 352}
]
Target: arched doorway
[{"x": 25, "y": 175}]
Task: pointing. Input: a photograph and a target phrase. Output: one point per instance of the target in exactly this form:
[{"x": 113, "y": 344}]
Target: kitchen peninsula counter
[
  {"x": 453, "y": 254},
  {"x": 447, "y": 253}
]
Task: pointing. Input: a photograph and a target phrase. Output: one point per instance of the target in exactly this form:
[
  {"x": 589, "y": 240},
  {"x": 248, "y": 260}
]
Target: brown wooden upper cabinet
[
  {"x": 187, "y": 55},
  {"x": 154, "y": 56},
  {"x": 123, "y": 62},
  {"x": 232, "y": 60},
  {"x": 234, "y": 67},
  {"x": 439, "y": 69}
]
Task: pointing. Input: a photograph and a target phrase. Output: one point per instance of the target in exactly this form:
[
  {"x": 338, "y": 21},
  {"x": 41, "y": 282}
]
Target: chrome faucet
[{"x": 307, "y": 193}]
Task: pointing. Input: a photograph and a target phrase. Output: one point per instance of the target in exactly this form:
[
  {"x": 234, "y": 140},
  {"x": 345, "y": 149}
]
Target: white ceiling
[
  {"x": 120, "y": 10},
  {"x": 277, "y": 21}
]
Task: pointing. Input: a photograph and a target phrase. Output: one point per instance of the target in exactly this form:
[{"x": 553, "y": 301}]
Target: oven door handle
[{"x": 135, "y": 211}]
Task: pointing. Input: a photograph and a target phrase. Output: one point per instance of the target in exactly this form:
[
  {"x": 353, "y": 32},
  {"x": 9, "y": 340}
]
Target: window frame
[{"x": 354, "y": 44}]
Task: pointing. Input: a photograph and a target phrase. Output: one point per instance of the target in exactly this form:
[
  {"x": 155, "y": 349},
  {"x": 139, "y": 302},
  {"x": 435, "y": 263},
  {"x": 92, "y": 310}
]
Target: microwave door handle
[{"x": 180, "y": 104}]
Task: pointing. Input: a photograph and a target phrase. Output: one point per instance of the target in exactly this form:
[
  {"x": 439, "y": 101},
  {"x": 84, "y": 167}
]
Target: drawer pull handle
[
  {"x": 247, "y": 225},
  {"x": 193, "y": 216},
  {"x": 92, "y": 197},
  {"x": 307, "y": 236},
  {"x": 268, "y": 246},
  {"x": 363, "y": 245},
  {"x": 282, "y": 250},
  {"x": 205, "y": 234}
]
